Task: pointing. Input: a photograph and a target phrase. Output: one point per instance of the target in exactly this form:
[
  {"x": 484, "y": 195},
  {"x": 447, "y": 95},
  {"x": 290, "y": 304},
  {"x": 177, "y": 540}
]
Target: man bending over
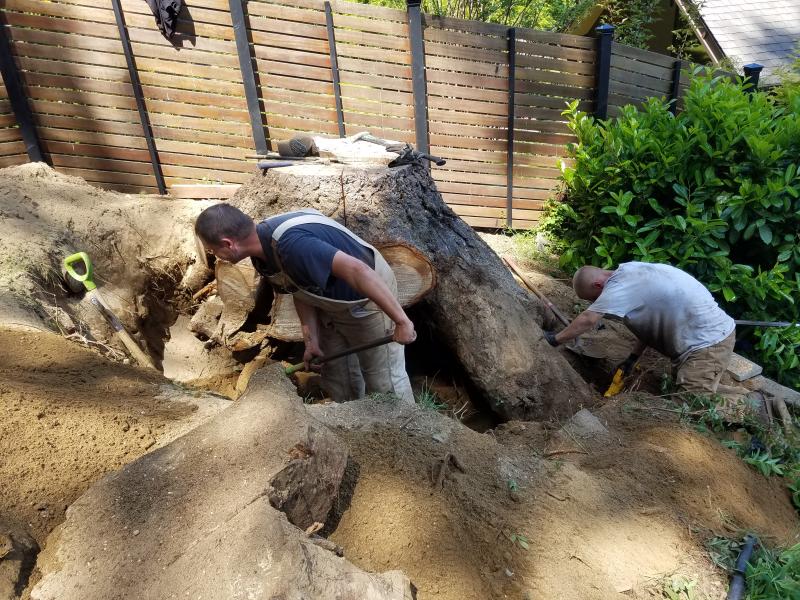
[{"x": 344, "y": 292}]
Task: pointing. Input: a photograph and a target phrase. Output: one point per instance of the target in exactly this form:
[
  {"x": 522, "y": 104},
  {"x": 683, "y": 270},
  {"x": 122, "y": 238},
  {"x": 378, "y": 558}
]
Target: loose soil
[
  {"x": 599, "y": 516},
  {"x": 614, "y": 515},
  {"x": 69, "y": 416}
]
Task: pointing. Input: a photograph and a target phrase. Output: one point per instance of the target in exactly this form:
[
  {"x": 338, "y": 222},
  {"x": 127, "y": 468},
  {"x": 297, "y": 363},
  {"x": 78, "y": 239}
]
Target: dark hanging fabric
[{"x": 166, "y": 13}]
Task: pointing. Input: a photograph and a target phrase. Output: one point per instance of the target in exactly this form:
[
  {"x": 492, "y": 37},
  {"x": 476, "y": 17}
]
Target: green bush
[{"x": 714, "y": 190}]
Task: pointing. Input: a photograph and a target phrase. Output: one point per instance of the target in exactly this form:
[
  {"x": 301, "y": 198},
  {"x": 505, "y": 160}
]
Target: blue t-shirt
[{"x": 306, "y": 254}]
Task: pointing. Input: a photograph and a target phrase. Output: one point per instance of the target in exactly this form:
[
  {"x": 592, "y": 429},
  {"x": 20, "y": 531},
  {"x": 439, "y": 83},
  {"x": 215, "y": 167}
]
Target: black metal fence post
[
  {"x": 144, "y": 119},
  {"x": 19, "y": 102},
  {"x": 752, "y": 73},
  {"x": 248, "y": 75},
  {"x": 418, "y": 81},
  {"x": 512, "y": 77},
  {"x": 337, "y": 89},
  {"x": 605, "y": 36},
  {"x": 675, "y": 95}
]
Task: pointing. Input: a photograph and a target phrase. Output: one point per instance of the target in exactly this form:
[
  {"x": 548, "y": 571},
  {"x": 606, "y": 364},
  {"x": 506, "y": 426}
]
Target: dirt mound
[
  {"x": 69, "y": 416},
  {"x": 617, "y": 514}
]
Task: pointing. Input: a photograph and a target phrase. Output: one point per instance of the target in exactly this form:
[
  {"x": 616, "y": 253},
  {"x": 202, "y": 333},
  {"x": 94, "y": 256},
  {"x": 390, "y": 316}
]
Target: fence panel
[
  {"x": 637, "y": 75},
  {"x": 12, "y": 148}
]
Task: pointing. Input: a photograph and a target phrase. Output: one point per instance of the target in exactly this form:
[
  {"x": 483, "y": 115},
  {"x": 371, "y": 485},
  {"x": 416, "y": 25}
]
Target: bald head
[{"x": 588, "y": 282}]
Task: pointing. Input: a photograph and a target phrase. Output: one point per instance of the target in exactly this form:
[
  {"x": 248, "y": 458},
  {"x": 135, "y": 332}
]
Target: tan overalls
[{"x": 344, "y": 324}]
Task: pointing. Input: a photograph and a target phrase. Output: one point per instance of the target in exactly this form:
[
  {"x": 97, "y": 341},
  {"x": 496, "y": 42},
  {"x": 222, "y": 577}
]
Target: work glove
[
  {"x": 627, "y": 365},
  {"x": 550, "y": 336}
]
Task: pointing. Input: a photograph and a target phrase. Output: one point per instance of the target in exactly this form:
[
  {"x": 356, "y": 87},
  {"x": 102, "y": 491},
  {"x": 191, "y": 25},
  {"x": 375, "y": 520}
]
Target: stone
[
  {"x": 741, "y": 369},
  {"x": 584, "y": 424},
  {"x": 205, "y": 506},
  {"x": 774, "y": 389},
  {"x": 18, "y": 552}
]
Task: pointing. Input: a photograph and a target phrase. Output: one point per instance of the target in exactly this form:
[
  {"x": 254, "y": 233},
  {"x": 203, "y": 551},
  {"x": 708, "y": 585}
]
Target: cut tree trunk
[{"x": 491, "y": 324}]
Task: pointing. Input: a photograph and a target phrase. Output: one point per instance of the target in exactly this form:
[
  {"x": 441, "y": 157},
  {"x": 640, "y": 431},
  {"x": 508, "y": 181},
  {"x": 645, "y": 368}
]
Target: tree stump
[{"x": 491, "y": 324}]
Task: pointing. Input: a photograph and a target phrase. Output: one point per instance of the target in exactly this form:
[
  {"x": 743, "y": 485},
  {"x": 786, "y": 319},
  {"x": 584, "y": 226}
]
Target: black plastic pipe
[{"x": 736, "y": 591}]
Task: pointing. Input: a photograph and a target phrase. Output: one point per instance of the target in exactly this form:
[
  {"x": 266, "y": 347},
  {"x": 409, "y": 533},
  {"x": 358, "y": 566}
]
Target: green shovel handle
[
  {"x": 291, "y": 370},
  {"x": 86, "y": 277}
]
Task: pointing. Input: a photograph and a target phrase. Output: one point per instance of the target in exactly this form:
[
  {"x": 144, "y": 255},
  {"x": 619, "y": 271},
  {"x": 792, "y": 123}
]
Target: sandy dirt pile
[{"x": 616, "y": 513}]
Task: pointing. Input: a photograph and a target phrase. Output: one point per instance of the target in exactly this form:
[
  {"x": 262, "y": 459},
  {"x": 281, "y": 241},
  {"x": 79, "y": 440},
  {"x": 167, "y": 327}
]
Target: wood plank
[
  {"x": 92, "y": 176},
  {"x": 13, "y": 160},
  {"x": 524, "y": 86},
  {"x": 363, "y": 120},
  {"x": 479, "y": 81},
  {"x": 7, "y": 120},
  {"x": 295, "y": 124},
  {"x": 405, "y": 111},
  {"x": 467, "y": 93},
  {"x": 533, "y": 112},
  {"x": 364, "y": 66},
  {"x": 478, "y": 27},
  {"x": 472, "y": 106},
  {"x": 553, "y": 102},
  {"x": 521, "y": 195},
  {"x": 453, "y": 142},
  {"x": 620, "y": 101},
  {"x": 375, "y": 81},
  {"x": 466, "y": 66},
  {"x": 288, "y": 28},
  {"x": 556, "y": 51},
  {"x": 301, "y": 85},
  {"x": 646, "y": 56},
  {"x": 494, "y": 224},
  {"x": 458, "y": 38},
  {"x": 73, "y": 128},
  {"x": 39, "y": 65},
  {"x": 559, "y": 39},
  {"x": 397, "y": 57},
  {"x": 555, "y": 64},
  {"x": 542, "y": 125},
  {"x": 388, "y": 28},
  {"x": 291, "y": 70},
  {"x": 496, "y": 200},
  {"x": 373, "y": 40},
  {"x": 476, "y": 210},
  {"x": 539, "y": 75},
  {"x": 202, "y": 192},
  {"x": 465, "y": 53},
  {"x": 436, "y": 114},
  {"x": 544, "y": 138},
  {"x": 367, "y": 10},
  {"x": 83, "y": 72},
  {"x": 10, "y": 134},
  {"x": 290, "y": 109},
  {"x": 289, "y": 42},
  {"x": 11, "y": 148},
  {"x": 625, "y": 64},
  {"x": 632, "y": 91},
  {"x": 286, "y": 13},
  {"x": 32, "y": 78},
  {"x": 293, "y": 56},
  {"x": 377, "y": 95},
  {"x": 640, "y": 80}
]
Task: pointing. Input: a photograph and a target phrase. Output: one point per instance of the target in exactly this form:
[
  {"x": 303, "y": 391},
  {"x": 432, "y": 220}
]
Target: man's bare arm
[
  {"x": 581, "y": 324},
  {"x": 365, "y": 281}
]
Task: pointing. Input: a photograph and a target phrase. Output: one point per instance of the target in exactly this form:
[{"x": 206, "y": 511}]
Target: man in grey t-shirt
[{"x": 666, "y": 309}]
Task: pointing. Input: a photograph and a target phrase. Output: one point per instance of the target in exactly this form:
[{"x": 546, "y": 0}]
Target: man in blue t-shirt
[{"x": 344, "y": 292}]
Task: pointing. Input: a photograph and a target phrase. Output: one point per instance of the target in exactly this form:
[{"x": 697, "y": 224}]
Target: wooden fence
[{"x": 491, "y": 96}]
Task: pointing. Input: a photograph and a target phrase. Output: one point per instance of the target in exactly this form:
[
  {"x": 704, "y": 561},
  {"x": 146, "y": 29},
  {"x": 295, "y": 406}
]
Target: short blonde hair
[{"x": 583, "y": 279}]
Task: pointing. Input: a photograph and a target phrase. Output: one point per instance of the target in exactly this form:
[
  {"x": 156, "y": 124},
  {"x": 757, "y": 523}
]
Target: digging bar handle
[
  {"x": 318, "y": 361},
  {"x": 559, "y": 315}
]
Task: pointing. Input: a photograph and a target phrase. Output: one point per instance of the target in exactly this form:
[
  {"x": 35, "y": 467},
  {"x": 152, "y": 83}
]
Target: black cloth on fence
[{"x": 166, "y": 13}]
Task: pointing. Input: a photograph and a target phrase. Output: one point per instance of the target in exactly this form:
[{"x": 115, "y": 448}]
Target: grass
[
  {"x": 428, "y": 399},
  {"x": 529, "y": 249},
  {"x": 772, "y": 574}
]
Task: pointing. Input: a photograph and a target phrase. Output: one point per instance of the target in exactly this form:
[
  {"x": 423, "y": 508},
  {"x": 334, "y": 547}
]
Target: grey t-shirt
[{"x": 664, "y": 307}]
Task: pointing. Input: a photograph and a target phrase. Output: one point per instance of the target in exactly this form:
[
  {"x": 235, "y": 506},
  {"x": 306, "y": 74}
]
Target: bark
[{"x": 491, "y": 324}]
